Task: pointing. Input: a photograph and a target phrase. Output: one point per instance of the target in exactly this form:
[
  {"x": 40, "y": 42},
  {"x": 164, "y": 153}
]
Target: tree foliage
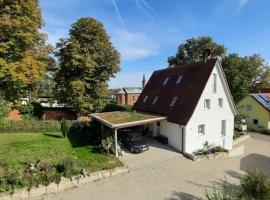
[
  {"x": 87, "y": 60},
  {"x": 245, "y": 73},
  {"x": 23, "y": 52},
  {"x": 192, "y": 51}
]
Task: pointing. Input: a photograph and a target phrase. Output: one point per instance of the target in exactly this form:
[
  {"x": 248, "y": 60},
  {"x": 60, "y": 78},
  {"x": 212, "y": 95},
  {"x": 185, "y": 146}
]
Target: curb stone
[{"x": 66, "y": 183}]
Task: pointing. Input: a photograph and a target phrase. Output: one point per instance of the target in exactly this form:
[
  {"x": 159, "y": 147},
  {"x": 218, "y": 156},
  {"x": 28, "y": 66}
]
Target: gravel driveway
[{"x": 172, "y": 176}]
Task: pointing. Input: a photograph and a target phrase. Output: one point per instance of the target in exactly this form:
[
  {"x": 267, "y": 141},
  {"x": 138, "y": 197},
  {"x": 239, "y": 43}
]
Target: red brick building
[{"x": 127, "y": 95}]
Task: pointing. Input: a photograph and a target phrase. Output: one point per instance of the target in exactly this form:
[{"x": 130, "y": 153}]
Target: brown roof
[{"x": 195, "y": 77}]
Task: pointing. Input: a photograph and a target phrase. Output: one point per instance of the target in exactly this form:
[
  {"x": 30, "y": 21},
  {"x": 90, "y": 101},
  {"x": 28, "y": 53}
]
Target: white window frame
[
  {"x": 179, "y": 79},
  {"x": 223, "y": 127},
  {"x": 174, "y": 100},
  {"x": 145, "y": 98},
  {"x": 214, "y": 83},
  {"x": 201, "y": 129},
  {"x": 207, "y": 104},
  {"x": 220, "y": 102},
  {"x": 166, "y": 80}
]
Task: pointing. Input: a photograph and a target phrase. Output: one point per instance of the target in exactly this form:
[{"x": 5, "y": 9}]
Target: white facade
[
  {"x": 212, "y": 122},
  {"x": 212, "y": 118}
]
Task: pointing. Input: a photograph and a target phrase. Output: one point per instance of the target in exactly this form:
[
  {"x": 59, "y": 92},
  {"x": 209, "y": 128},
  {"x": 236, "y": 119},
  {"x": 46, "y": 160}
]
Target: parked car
[{"x": 134, "y": 141}]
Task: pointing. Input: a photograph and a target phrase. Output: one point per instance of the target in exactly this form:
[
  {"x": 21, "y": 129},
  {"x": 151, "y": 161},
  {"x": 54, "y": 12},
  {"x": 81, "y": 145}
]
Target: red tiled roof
[{"x": 195, "y": 77}]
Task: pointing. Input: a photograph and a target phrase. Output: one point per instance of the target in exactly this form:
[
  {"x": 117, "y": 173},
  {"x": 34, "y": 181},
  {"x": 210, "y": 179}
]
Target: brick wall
[
  {"x": 131, "y": 99},
  {"x": 59, "y": 114}
]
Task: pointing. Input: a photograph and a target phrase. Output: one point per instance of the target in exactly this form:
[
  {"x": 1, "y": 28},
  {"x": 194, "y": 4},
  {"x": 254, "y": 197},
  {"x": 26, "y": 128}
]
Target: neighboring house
[
  {"x": 256, "y": 110},
  {"x": 197, "y": 102}
]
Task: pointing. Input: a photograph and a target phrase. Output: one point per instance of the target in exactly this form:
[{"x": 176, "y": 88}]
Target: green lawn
[{"x": 18, "y": 148}]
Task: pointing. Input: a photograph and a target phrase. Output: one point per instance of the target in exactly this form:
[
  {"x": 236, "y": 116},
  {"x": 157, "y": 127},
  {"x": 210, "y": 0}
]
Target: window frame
[
  {"x": 155, "y": 100},
  {"x": 179, "y": 79},
  {"x": 220, "y": 102},
  {"x": 201, "y": 129},
  {"x": 166, "y": 80},
  {"x": 173, "y": 102},
  {"x": 145, "y": 98},
  {"x": 207, "y": 104}
]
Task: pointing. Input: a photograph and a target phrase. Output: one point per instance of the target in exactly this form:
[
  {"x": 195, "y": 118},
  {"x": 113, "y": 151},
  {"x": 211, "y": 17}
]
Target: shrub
[
  {"x": 4, "y": 110},
  {"x": 253, "y": 185},
  {"x": 64, "y": 128},
  {"x": 30, "y": 110},
  {"x": 108, "y": 145},
  {"x": 30, "y": 126},
  {"x": 68, "y": 167},
  {"x": 116, "y": 107}
]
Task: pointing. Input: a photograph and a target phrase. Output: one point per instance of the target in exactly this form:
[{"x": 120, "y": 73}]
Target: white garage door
[{"x": 173, "y": 133}]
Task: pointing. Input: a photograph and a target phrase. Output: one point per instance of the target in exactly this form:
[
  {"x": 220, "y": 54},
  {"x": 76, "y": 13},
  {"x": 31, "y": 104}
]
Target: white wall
[
  {"x": 211, "y": 118},
  {"x": 173, "y": 132}
]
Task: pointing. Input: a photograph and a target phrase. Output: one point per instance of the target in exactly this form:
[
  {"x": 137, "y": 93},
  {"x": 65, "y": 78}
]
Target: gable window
[
  {"x": 179, "y": 79},
  {"x": 201, "y": 129},
  {"x": 155, "y": 101},
  {"x": 255, "y": 121},
  {"x": 214, "y": 83},
  {"x": 248, "y": 108},
  {"x": 166, "y": 80},
  {"x": 207, "y": 104},
  {"x": 173, "y": 101},
  {"x": 220, "y": 102},
  {"x": 223, "y": 127},
  {"x": 145, "y": 98}
]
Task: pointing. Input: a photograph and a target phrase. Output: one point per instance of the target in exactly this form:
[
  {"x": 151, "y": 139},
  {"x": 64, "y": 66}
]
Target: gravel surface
[{"x": 163, "y": 174}]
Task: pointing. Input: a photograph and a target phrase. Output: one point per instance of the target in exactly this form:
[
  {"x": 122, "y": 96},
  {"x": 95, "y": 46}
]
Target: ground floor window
[
  {"x": 255, "y": 121},
  {"x": 223, "y": 127}
]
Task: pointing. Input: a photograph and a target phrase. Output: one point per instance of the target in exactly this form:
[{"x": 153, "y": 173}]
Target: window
[
  {"x": 248, "y": 108},
  {"x": 255, "y": 121},
  {"x": 220, "y": 102},
  {"x": 201, "y": 129},
  {"x": 223, "y": 127},
  {"x": 155, "y": 101},
  {"x": 207, "y": 104},
  {"x": 145, "y": 99},
  {"x": 214, "y": 83},
  {"x": 166, "y": 80},
  {"x": 179, "y": 79},
  {"x": 173, "y": 101}
]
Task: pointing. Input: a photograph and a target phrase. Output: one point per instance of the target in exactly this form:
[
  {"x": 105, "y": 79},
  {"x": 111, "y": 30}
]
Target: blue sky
[{"x": 146, "y": 32}]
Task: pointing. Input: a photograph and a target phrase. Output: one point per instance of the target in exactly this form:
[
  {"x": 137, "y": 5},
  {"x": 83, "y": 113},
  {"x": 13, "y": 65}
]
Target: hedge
[
  {"x": 29, "y": 126},
  {"x": 116, "y": 107}
]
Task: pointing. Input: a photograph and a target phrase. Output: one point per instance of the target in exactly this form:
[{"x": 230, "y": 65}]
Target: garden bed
[{"x": 18, "y": 149}]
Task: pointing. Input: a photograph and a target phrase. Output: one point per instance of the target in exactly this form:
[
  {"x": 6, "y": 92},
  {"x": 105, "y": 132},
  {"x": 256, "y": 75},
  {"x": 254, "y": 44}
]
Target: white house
[{"x": 197, "y": 104}]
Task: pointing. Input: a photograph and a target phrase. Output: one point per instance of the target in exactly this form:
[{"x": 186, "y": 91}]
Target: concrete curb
[
  {"x": 65, "y": 183},
  {"x": 212, "y": 156},
  {"x": 241, "y": 139}
]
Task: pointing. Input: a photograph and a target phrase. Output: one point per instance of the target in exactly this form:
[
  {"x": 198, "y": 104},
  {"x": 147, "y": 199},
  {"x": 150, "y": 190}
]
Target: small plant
[
  {"x": 64, "y": 128},
  {"x": 68, "y": 167},
  {"x": 108, "y": 145}
]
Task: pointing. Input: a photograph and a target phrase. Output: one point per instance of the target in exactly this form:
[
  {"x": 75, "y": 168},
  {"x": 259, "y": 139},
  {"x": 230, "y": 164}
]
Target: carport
[{"x": 117, "y": 120}]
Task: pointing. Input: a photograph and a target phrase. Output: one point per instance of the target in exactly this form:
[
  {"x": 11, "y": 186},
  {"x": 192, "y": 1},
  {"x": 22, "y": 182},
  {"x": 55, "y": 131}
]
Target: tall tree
[
  {"x": 192, "y": 51},
  {"x": 23, "y": 52},
  {"x": 245, "y": 73},
  {"x": 87, "y": 60}
]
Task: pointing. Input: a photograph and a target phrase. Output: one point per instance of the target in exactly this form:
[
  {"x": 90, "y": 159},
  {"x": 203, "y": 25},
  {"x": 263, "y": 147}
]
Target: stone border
[
  {"x": 241, "y": 139},
  {"x": 211, "y": 156},
  {"x": 65, "y": 183}
]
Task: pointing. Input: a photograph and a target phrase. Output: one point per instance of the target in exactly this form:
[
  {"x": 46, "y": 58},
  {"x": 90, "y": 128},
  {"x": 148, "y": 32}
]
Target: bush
[
  {"x": 64, "y": 128},
  {"x": 31, "y": 110},
  {"x": 116, "y": 107},
  {"x": 4, "y": 110},
  {"x": 254, "y": 185},
  {"x": 68, "y": 167},
  {"x": 108, "y": 145},
  {"x": 29, "y": 126}
]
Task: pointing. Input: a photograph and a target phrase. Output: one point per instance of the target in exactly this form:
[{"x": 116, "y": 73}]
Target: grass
[
  {"x": 18, "y": 148},
  {"x": 118, "y": 117}
]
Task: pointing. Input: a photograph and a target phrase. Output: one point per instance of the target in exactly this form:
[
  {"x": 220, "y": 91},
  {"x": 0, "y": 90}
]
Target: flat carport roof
[{"x": 116, "y": 120}]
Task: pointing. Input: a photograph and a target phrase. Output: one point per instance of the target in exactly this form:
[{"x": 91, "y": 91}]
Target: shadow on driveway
[
  {"x": 255, "y": 161},
  {"x": 182, "y": 196}
]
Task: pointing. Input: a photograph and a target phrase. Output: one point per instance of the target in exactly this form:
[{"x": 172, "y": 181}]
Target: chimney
[
  {"x": 143, "y": 81},
  {"x": 206, "y": 55}
]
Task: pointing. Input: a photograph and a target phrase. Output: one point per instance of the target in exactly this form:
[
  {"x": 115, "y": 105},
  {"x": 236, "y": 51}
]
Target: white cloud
[
  {"x": 55, "y": 34},
  {"x": 242, "y": 3},
  {"x": 134, "y": 45},
  {"x": 145, "y": 8},
  {"x": 117, "y": 12}
]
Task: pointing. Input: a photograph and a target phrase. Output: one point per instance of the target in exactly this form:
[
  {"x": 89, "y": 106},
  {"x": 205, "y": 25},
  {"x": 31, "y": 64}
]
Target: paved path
[{"x": 175, "y": 177}]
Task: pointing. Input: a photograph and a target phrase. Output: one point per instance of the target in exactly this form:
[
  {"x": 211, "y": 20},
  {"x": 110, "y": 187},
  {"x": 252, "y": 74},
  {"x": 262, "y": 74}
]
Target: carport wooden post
[
  {"x": 102, "y": 131},
  {"x": 115, "y": 141}
]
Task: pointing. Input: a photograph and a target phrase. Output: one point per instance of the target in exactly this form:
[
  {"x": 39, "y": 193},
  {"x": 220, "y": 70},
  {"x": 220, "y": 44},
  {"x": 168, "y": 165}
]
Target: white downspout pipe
[{"x": 115, "y": 141}]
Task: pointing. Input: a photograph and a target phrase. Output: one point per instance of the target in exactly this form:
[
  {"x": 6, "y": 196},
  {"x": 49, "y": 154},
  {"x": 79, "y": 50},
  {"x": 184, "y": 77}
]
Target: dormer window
[
  {"x": 179, "y": 79},
  {"x": 173, "y": 101},
  {"x": 155, "y": 101},
  {"x": 145, "y": 98},
  {"x": 166, "y": 80}
]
